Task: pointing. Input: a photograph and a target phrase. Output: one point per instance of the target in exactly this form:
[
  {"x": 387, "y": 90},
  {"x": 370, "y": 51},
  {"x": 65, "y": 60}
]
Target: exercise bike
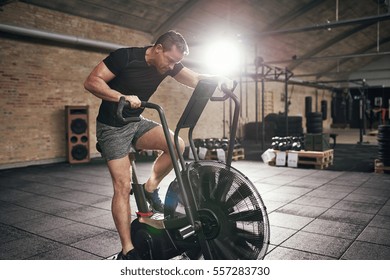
[{"x": 212, "y": 210}]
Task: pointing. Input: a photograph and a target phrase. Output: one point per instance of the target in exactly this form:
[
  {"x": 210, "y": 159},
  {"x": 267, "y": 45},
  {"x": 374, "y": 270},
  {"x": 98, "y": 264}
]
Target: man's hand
[
  {"x": 134, "y": 101},
  {"x": 228, "y": 82}
]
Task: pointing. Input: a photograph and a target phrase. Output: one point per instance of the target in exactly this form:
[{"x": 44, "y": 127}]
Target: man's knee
[{"x": 122, "y": 186}]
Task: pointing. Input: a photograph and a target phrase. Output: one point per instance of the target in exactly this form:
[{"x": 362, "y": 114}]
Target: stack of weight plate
[
  {"x": 314, "y": 122},
  {"x": 384, "y": 144}
]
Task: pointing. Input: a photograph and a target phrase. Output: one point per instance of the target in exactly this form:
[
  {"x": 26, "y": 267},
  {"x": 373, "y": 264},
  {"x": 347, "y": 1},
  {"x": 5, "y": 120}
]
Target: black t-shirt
[{"x": 133, "y": 76}]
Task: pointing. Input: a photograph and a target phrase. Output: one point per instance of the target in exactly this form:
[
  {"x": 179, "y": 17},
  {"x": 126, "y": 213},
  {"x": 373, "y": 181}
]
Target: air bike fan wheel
[{"x": 232, "y": 213}]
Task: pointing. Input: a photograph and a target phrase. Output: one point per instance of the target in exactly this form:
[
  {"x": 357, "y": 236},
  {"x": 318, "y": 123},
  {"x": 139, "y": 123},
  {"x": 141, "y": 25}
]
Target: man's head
[
  {"x": 169, "y": 49},
  {"x": 173, "y": 38}
]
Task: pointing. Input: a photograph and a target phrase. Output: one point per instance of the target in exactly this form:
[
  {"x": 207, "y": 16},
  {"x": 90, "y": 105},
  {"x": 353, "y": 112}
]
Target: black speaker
[{"x": 77, "y": 134}]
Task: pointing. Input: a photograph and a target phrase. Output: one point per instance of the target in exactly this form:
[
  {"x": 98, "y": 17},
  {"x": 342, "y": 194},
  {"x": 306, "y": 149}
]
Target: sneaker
[
  {"x": 131, "y": 255},
  {"x": 154, "y": 200}
]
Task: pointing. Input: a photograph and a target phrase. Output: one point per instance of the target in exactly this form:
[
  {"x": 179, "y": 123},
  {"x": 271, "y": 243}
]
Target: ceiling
[{"x": 315, "y": 40}]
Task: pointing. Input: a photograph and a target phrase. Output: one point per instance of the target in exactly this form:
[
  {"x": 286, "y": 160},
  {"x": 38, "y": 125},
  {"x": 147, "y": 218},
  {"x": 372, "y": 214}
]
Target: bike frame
[{"x": 189, "y": 120}]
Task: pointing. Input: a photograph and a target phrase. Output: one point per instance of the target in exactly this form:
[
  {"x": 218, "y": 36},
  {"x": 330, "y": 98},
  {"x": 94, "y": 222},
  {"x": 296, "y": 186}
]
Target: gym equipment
[
  {"x": 384, "y": 144},
  {"x": 314, "y": 122},
  {"x": 287, "y": 143},
  {"x": 212, "y": 210}
]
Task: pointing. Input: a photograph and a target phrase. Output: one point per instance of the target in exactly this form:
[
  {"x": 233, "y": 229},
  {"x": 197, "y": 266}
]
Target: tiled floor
[{"x": 60, "y": 211}]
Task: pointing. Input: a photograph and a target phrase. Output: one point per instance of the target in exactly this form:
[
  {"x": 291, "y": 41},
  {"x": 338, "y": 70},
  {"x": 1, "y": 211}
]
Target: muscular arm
[
  {"x": 96, "y": 83},
  {"x": 190, "y": 78}
]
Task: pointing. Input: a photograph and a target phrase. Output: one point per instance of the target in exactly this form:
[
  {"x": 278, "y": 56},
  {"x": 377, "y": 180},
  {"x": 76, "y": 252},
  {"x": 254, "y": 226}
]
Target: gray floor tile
[
  {"x": 83, "y": 213},
  {"x": 337, "y": 188},
  {"x": 333, "y": 228},
  {"x": 288, "y": 221},
  {"x": 48, "y": 205},
  {"x": 6, "y": 207},
  {"x": 105, "y": 244},
  {"x": 347, "y": 217},
  {"x": 385, "y": 211},
  {"x": 105, "y": 205},
  {"x": 25, "y": 248},
  {"x": 44, "y": 223},
  {"x": 375, "y": 235},
  {"x": 41, "y": 188},
  {"x": 347, "y": 181},
  {"x": 329, "y": 194},
  {"x": 376, "y": 183},
  {"x": 367, "y": 251},
  {"x": 380, "y": 222},
  {"x": 280, "y": 180},
  {"x": 373, "y": 191},
  {"x": 72, "y": 233},
  {"x": 264, "y": 188},
  {"x": 273, "y": 205},
  {"x": 20, "y": 215},
  {"x": 366, "y": 198},
  {"x": 318, "y": 244},
  {"x": 279, "y": 234},
  {"x": 281, "y": 253},
  {"x": 65, "y": 252},
  {"x": 10, "y": 233},
  {"x": 293, "y": 190},
  {"x": 307, "y": 183},
  {"x": 79, "y": 197},
  {"x": 302, "y": 210},
  {"x": 347, "y": 205},
  {"x": 105, "y": 221},
  {"x": 316, "y": 201},
  {"x": 14, "y": 195},
  {"x": 279, "y": 196}
]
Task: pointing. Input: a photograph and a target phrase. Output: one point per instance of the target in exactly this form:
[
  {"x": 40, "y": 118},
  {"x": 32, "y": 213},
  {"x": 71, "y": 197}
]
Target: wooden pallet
[
  {"x": 238, "y": 154},
  {"x": 317, "y": 160},
  {"x": 380, "y": 168}
]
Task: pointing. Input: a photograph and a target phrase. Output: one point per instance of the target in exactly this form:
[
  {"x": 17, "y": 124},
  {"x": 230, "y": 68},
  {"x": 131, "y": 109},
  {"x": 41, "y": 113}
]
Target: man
[{"x": 135, "y": 73}]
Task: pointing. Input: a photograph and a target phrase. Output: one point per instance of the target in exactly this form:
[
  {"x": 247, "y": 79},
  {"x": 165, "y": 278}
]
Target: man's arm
[
  {"x": 96, "y": 83},
  {"x": 190, "y": 78},
  {"x": 187, "y": 77}
]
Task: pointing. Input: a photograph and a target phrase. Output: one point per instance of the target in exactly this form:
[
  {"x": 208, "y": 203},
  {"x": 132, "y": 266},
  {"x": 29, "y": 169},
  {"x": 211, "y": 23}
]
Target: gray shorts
[{"x": 116, "y": 142}]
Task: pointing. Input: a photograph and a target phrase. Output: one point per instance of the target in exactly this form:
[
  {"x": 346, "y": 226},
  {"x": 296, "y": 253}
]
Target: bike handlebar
[
  {"x": 121, "y": 105},
  {"x": 228, "y": 93}
]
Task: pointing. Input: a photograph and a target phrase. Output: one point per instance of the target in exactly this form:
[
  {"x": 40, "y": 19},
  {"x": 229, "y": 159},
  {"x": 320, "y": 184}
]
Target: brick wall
[{"x": 39, "y": 78}]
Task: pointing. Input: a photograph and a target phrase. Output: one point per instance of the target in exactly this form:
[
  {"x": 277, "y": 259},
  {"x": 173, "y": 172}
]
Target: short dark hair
[{"x": 170, "y": 38}]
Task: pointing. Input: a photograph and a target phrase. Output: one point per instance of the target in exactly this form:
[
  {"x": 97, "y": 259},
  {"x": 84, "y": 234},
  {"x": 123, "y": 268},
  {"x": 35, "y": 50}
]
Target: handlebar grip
[
  {"x": 226, "y": 92},
  {"x": 119, "y": 112}
]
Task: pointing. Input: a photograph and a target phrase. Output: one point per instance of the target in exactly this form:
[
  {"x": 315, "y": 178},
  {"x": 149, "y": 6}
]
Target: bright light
[{"x": 222, "y": 58}]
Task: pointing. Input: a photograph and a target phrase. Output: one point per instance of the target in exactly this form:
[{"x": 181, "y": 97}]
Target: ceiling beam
[
  {"x": 328, "y": 44},
  {"x": 328, "y": 25},
  {"x": 293, "y": 14},
  {"x": 174, "y": 18},
  {"x": 341, "y": 73},
  {"x": 329, "y": 57},
  {"x": 360, "y": 52}
]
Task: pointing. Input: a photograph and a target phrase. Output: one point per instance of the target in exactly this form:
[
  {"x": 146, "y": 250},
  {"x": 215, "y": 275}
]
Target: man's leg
[
  {"x": 120, "y": 170},
  {"x": 154, "y": 140}
]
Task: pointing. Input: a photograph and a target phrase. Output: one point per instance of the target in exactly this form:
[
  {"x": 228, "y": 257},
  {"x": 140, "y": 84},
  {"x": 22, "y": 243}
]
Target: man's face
[{"x": 165, "y": 61}]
